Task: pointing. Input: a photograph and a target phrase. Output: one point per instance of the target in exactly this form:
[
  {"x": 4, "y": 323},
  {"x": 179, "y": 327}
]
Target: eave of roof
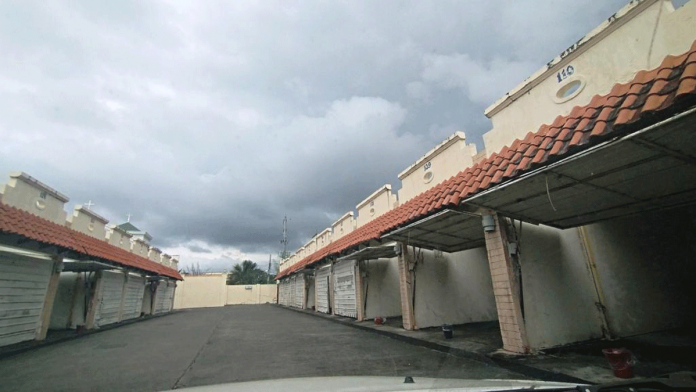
[
  {"x": 650, "y": 97},
  {"x": 19, "y": 222}
]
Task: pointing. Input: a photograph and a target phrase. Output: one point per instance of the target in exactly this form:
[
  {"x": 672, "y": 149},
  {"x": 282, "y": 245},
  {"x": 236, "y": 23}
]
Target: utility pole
[
  {"x": 268, "y": 273},
  {"x": 284, "y": 241}
]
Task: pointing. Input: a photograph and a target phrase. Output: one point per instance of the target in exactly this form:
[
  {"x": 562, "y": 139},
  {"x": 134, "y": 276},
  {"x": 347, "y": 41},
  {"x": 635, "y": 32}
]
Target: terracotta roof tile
[
  {"x": 25, "y": 224},
  {"x": 613, "y": 114}
]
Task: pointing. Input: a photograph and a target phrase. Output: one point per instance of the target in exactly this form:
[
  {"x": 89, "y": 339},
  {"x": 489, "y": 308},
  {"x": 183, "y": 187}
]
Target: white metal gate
[
  {"x": 23, "y": 286},
  {"x": 133, "y": 297},
  {"x": 344, "y": 289},
  {"x": 321, "y": 282},
  {"x": 110, "y": 293},
  {"x": 299, "y": 289}
]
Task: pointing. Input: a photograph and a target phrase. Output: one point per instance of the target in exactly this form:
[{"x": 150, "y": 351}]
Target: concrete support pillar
[
  {"x": 506, "y": 289},
  {"x": 94, "y": 300},
  {"x": 359, "y": 294},
  {"x": 50, "y": 298},
  {"x": 406, "y": 289}
]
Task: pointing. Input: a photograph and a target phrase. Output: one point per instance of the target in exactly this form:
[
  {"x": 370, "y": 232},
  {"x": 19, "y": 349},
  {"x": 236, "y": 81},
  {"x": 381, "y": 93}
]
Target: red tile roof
[
  {"x": 649, "y": 98},
  {"x": 16, "y": 221}
]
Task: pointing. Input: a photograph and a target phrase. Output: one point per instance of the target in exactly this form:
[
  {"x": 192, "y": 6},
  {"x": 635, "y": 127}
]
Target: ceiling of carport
[
  {"x": 648, "y": 170},
  {"x": 372, "y": 253},
  {"x": 448, "y": 231}
]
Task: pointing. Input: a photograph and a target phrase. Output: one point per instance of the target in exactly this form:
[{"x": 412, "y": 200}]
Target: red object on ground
[
  {"x": 620, "y": 361},
  {"x": 379, "y": 320}
]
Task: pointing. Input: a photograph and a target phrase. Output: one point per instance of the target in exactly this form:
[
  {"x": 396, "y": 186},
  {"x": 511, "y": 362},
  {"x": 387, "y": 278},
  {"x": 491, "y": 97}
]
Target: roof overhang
[
  {"x": 448, "y": 231},
  {"x": 651, "y": 169},
  {"x": 372, "y": 253},
  {"x": 85, "y": 266}
]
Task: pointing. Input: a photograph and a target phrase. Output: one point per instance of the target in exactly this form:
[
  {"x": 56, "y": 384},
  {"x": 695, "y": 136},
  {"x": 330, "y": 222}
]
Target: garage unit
[
  {"x": 345, "y": 298},
  {"x": 109, "y": 295},
  {"x": 24, "y": 278},
  {"x": 298, "y": 289},
  {"x": 164, "y": 296},
  {"x": 133, "y": 297},
  {"x": 323, "y": 288}
]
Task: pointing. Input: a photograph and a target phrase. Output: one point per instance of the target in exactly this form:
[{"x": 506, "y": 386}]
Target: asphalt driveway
[{"x": 217, "y": 345}]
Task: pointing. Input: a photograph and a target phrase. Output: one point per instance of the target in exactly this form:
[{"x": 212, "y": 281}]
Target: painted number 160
[{"x": 565, "y": 73}]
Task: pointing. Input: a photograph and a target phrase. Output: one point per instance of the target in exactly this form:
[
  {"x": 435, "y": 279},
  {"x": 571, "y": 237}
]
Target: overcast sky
[{"x": 209, "y": 121}]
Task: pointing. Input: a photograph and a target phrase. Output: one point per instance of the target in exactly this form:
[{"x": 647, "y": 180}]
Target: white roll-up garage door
[
  {"x": 23, "y": 286},
  {"x": 321, "y": 281},
  {"x": 344, "y": 288},
  {"x": 291, "y": 289},
  {"x": 299, "y": 297},
  {"x": 133, "y": 298},
  {"x": 163, "y": 298},
  {"x": 285, "y": 292},
  {"x": 109, "y": 300}
]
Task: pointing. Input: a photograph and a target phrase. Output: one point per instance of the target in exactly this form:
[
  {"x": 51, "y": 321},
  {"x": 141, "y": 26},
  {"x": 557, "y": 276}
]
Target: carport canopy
[
  {"x": 448, "y": 231},
  {"x": 386, "y": 251},
  {"x": 651, "y": 169}
]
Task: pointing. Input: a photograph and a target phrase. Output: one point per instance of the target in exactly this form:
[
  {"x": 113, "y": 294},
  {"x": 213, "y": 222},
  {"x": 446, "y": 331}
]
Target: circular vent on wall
[
  {"x": 40, "y": 204},
  {"x": 427, "y": 177},
  {"x": 372, "y": 211},
  {"x": 569, "y": 90}
]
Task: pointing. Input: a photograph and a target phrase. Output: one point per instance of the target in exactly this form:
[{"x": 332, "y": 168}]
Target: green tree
[{"x": 247, "y": 272}]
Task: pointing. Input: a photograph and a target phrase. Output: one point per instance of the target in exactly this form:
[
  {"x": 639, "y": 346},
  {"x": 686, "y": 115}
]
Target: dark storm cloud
[{"x": 210, "y": 121}]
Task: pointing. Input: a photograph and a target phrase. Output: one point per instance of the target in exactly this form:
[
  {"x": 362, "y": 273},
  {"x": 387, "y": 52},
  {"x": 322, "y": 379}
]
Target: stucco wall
[
  {"x": 558, "y": 290},
  {"x": 251, "y": 294},
  {"x": 454, "y": 289},
  {"x": 647, "y": 271},
  {"x": 342, "y": 226},
  {"x": 445, "y": 160},
  {"x": 381, "y": 283},
  {"x": 201, "y": 291},
  {"x": 87, "y": 222},
  {"x": 375, "y": 205},
  {"x": 614, "y": 59},
  {"x": 211, "y": 290},
  {"x": 35, "y": 198}
]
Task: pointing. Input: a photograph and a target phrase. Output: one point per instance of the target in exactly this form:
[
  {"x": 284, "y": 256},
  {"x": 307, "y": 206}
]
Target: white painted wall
[
  {"x": 250, "y": 294},
  {"x": 342, "y": 226},
  {"x": 558, "y": 291},
  {"x": 601, "y": 62},
  {"x": 378, "y": 203},
  {"x": 211, "y": 290},
  {"x": 27, "y": 193},
  {"x": 120, "y": 238},
  {"x": 455, "y": 289},
  {"x": 442, "y": 162},
  {"x": 201, "y": 291},
  {"x": 647, "y": 270},
  {"x": 87, "y": 222},
  {"x": 381, "y": 282}
]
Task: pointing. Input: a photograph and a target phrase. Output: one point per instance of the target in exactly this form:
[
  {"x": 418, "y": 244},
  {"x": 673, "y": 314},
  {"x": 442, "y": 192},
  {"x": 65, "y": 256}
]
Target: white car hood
[{"x": 378, "y": 384}]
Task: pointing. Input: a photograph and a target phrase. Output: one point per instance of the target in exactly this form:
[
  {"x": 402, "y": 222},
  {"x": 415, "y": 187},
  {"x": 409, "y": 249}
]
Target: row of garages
[
  {"x": 55, "y": 278},
  {"x": 581, "y": 231}
]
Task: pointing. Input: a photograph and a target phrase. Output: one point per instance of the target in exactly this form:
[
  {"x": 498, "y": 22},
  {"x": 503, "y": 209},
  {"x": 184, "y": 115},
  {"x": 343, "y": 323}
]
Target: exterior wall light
[{"x": 488, "y": 223}]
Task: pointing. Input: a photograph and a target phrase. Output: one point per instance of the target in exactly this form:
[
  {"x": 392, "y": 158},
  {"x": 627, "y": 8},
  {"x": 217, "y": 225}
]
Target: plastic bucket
[
  {"x": 620, "y": 361},
  {"x": 447, "y": 331}
]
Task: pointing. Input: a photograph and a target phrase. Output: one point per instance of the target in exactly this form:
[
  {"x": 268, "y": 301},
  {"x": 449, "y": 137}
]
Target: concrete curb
[
  {"x": 22, "y": 347},
  {"x": 489, "y": 359}
]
